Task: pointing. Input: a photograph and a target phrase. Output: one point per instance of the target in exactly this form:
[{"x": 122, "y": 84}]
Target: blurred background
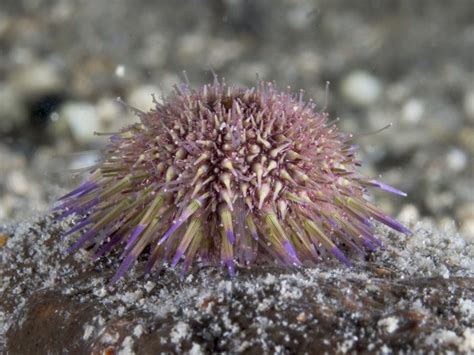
[{"x": 63, "y": 63}]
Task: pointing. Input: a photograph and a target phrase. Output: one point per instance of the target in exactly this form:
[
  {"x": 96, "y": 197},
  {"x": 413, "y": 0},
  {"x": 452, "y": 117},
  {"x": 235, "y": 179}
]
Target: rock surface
[{"x": 416, "y": 296}]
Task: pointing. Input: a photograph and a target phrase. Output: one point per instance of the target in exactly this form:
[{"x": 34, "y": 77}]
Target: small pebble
[
  {"x": 361, "y": 88},
  {"x": 82, "y": 119},
  {"x": 141, "y": 98},
  {"x": 409, "y": 213},
  {"x": 298, "y": 17},
  {"x": 456, "y": 160},
  {"x": 309, "y": 62},
  {"x": 467, "y": 229},
  {"x": 389, "y": 324},
  {"x": 221, "y": 51},
  {"x": 17, "y": 182},
  {"x": 413, "y": 111},
  {"x": 301, "y": 317},
  {"x": 112, "y": 115},
  {"x": 191, "y": 46},
  {"x": 3, "y": 240},
  {"x": 36, "y": 80},
  {"x": 120, "y": 71}
]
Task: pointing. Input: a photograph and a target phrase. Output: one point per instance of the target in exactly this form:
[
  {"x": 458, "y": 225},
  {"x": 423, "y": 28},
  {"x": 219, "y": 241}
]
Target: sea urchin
[{"x": 227, "y": 175}]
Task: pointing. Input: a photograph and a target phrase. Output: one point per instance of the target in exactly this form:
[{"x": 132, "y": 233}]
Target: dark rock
[{"x": 393, "y": 301}]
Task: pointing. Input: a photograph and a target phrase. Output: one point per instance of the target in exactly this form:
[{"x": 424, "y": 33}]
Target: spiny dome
[{"x": 226, "y": 175}]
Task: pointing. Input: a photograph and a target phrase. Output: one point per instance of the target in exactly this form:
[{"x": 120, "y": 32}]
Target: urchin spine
[{"x": 227, "y": 175}]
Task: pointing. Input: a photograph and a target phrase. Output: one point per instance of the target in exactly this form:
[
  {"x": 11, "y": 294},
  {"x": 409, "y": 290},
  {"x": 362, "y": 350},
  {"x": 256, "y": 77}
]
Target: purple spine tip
[
  {"x": 177, "y": 257},
  {"x": 369, "y": 245},
  {"x": 340, "y": 256},
  {"x": 149, "y": 265},
  {"x": 123, "y": 268},
  {"x": 77, "y": 227},
  {"x": 291, "y": 251},
  {"x": 230, "y": 236},
  {"x": 76, "y": 210},
  {"x": 136, "y": 232},
  {"x": 396, "y": 225},
  {"x": 391, "y": 223},
  {"x": 230, "y": 266},
  {"x": 108, "y": 246},
  {"x": 169, "y": 232},
  {"x": 131, "y": 241},
  {"x": 83, "y": 239},
  {"x": 387, "y": 188},
  {"x": 84, "y": 188},
  {"x": 379, "y": 243}
]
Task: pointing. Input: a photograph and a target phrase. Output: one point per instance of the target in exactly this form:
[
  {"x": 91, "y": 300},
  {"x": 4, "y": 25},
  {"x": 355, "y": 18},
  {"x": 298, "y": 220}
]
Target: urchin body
[{"x": 227, "y": 175}]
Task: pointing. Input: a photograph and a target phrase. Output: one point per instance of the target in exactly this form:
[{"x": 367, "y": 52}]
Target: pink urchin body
[{"x": 227, "y": 175}]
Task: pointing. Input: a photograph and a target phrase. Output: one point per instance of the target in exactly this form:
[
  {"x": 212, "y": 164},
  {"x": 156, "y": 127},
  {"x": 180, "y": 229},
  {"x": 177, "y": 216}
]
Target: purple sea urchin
[{"x": 227, "y": 175}]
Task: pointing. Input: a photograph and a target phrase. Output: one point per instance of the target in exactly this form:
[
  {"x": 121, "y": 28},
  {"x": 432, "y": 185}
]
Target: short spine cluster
[{"x": 227, "y": 175}]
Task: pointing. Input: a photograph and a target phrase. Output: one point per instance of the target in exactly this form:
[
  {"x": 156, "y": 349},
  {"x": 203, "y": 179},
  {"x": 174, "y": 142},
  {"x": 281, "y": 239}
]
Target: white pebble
[
  {"x": 138, "y": 331},
  {"x": 456, "y": 160},
  {"x": 179, "y": 332},
  {"x": 127, "y": 346},
  {"x": 196, "y": 349},
  {"x": 409, "y": 213},
  {"x": 17, "y": 183},
  {"x": 413, "y": 111},
  {"x": 361, "y": 88},
  {"x": 141, "y": 98},
  {"x": 120, "y": 71},
  {"x": 38, "y": 79},
  {"x": 88, "y": 330},
  {"x": 149, "y": 286},
  {"x": 82, "y": 119},
  {"x": 109, "y": 112},
  {"x": 467, "y": 229}
]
